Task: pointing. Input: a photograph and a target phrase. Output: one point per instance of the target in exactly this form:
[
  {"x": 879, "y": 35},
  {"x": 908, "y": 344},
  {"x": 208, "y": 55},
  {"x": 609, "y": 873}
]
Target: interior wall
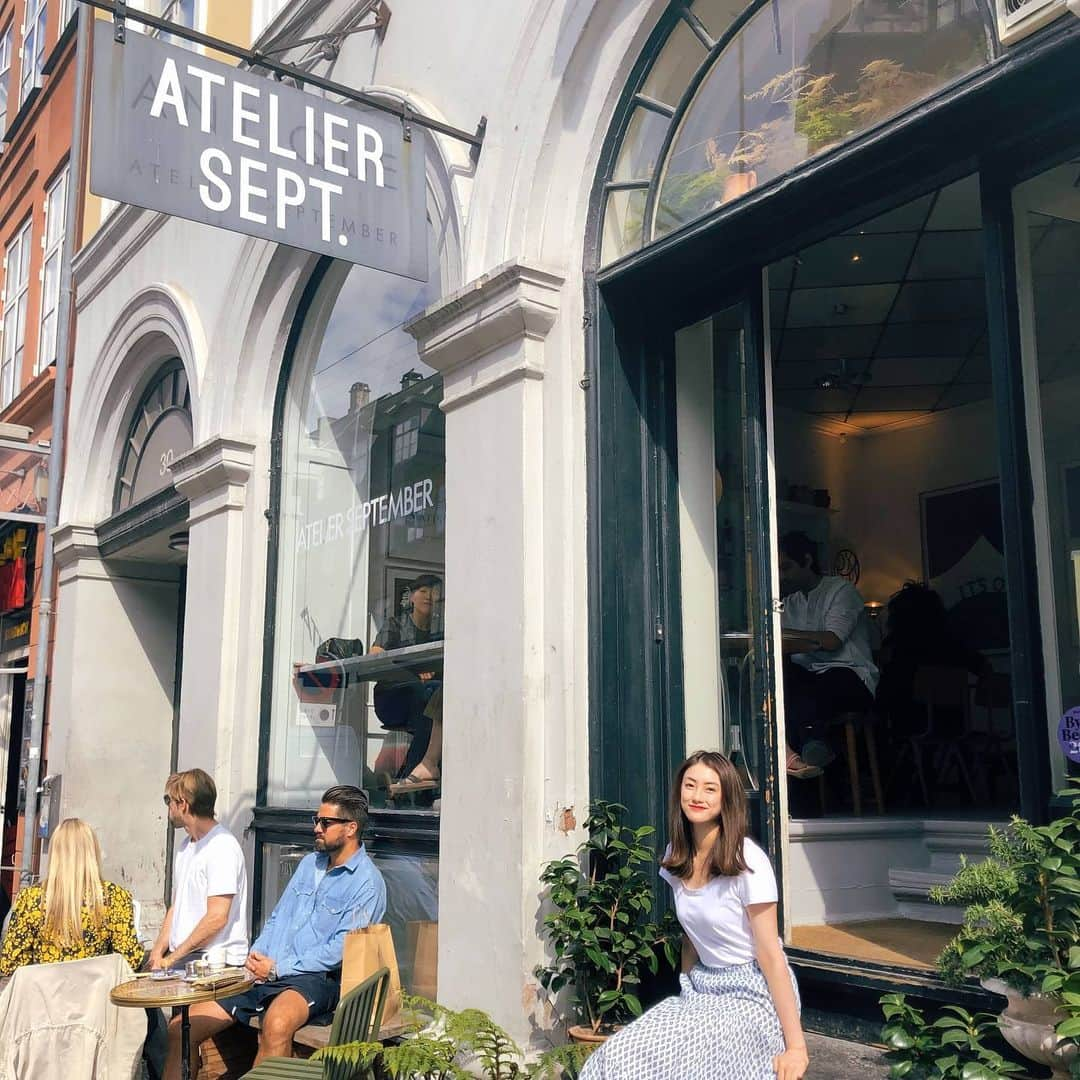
[{"x": 887, "y": 472}]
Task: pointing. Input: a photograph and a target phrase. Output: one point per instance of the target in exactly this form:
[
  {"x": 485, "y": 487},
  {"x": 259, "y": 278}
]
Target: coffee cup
[
  {"x": 236, "y": 956},
  {"x": 216, "y": 958}
]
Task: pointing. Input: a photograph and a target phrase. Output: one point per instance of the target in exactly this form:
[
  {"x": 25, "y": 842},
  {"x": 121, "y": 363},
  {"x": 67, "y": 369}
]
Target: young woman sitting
[
  {"x": 75, "y": 915},
  {"x": 737, "y": 1017}
]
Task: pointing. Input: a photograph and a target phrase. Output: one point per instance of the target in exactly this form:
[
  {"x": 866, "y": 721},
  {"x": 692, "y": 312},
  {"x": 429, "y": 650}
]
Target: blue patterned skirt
[{"x": 722, "y": 1026}]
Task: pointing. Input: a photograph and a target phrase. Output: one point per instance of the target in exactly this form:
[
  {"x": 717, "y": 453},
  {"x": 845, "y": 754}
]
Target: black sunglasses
[{"x": 326, "y": 822}]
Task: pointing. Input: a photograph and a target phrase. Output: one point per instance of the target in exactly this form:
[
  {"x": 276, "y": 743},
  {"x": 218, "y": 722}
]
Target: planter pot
[
  {"x": 585, "y": 1035},
  {"x": 1027, "y": 1025},
  {"x": 738, "y": 184}
]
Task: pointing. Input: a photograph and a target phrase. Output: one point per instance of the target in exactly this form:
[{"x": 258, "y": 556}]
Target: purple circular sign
[{"x": 1069, "y": 734}]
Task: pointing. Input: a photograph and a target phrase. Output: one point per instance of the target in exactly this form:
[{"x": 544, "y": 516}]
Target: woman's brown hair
[{"x": 726, "y": 859}]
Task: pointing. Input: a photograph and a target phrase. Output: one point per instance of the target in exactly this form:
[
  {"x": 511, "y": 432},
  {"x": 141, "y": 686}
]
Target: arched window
[
  {"x": 160, "y": 431},
  {"x": 358, "y": 577},
  {"x": 733, "y": 100}
]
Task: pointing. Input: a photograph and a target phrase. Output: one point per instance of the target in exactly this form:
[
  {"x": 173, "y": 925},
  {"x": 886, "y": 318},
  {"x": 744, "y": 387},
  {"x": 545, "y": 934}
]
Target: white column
[
  {"x": 218, "y": 722},
  {"x": 501, "y": 717}
]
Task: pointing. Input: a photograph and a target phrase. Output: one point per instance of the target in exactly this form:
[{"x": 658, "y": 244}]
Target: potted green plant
[
  {"x": 1021, "y": 932},
  {"x": 448, "y": 1044},
  {"x": 600, "y": 926}
]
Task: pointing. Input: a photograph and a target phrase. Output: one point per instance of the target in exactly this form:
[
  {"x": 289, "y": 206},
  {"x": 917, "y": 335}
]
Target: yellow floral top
[{"x": 26, "y": 943}]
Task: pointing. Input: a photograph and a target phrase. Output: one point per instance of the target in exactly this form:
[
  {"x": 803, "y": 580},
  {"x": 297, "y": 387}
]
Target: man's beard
[{"x": 322, "y": 844}]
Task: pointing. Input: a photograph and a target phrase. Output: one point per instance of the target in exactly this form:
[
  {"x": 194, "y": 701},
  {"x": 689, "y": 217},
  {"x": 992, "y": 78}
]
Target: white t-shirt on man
[
  {"x": 212, "y": 866},
  {"x": 833, "y": 604},
  {"x": 714, "y": 917}
]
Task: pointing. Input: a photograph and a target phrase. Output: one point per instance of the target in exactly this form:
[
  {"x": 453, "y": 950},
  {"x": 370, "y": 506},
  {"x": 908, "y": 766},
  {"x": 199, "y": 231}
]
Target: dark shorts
[{"x": 319, "y": 990}]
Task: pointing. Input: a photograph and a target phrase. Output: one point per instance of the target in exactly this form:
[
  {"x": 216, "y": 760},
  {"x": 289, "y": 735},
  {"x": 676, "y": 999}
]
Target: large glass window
[
  {"x": 801, "y": 77},
  {"x": 1048, "y": 234},
  {"x": 361, "y": 589},
  {"x": 16, "y": 281}
]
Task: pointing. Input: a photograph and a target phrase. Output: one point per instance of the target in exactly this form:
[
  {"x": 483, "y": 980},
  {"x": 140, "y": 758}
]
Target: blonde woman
[{"x": 74, "y": 915}]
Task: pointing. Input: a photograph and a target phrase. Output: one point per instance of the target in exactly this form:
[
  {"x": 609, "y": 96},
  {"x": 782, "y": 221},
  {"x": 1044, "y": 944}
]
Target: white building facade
[{"x": 272, "y": 456}]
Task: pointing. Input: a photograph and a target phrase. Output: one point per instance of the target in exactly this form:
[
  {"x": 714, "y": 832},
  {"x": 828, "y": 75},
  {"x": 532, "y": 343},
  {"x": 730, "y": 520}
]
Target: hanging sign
[{"x": 177, "y": 132}]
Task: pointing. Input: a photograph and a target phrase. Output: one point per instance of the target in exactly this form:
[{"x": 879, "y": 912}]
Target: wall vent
[{"x": 1018, "y": 18}]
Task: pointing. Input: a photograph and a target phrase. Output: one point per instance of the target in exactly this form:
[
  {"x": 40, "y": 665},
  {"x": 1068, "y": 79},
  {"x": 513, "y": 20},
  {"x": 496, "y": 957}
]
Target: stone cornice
[
  {"x": 474, "y": 336},
  {"x": 213, "y": 476},
  {"x": 72, "y": 542}
]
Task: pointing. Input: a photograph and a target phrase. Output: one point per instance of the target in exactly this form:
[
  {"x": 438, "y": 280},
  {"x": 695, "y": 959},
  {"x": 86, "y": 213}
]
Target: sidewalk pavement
[{"x": 838, "y": 1059}]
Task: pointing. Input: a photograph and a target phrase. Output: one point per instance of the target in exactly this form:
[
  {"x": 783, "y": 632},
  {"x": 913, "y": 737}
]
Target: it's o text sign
[{"x": 177, "y": 132}]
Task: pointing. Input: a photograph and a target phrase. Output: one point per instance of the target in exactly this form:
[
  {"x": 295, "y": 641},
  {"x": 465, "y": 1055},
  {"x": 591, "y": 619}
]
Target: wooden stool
[{"x": 853, "y": 723}]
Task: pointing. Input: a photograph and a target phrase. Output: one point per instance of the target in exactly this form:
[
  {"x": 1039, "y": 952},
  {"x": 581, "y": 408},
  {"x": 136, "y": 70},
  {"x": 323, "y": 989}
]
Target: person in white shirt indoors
[
  {"x": 839, "y": 674},
  {"x": 737, "y": 1016},
  {"x": 209, "y": 878}
]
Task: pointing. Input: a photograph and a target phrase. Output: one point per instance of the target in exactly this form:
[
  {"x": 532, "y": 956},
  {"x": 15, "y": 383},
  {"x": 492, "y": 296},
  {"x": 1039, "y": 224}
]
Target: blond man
[{"x": 209, "y": 900}]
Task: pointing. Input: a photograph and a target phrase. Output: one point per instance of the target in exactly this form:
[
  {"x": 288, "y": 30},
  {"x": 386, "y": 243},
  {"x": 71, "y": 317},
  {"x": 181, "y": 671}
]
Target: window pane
[
  {"x": 1051, "y": 342},
  {"x": 641, "y": 145},
  {"x": 675, "y": 66},
  {"x": 358, "y": 668},
  {"x": 803, "y": 77},
  {"x": 717, "y": 15},
  {"x": 622, "y": 223}
]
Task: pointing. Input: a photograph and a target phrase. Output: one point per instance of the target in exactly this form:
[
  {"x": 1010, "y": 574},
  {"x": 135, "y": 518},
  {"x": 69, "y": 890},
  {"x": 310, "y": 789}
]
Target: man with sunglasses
[{"x": 296, "y": 960}]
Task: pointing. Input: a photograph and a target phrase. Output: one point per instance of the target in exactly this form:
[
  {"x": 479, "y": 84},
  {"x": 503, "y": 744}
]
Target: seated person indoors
[
  {"x": 918, "y": 635},
  {"x": 75, "y": 914},
  {"x": 839, "y": 675},
  {"x": 296, "y": 960},
  {"x": 412, "y": 702}
]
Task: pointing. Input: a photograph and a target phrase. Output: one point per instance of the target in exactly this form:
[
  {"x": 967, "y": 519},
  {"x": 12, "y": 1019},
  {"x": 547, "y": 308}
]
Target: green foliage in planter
[
  {"x": 1022, "y": 913},
  {"x": 444, "y": 1044},
  {"x": 951, "y": 1047},
  {"x": 600, "y": 930}
]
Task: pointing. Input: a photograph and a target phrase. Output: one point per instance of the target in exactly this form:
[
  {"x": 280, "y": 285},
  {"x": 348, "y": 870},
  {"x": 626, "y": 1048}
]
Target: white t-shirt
[
  {"x": 212, "y": 866},
  {"x": 833, "y": 604},
  {"x": 714, "y": 916}
]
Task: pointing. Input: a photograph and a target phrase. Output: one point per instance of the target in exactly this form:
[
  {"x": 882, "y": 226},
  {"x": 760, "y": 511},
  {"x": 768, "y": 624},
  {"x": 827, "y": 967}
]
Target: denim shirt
[{"x": 306, "y": 930}]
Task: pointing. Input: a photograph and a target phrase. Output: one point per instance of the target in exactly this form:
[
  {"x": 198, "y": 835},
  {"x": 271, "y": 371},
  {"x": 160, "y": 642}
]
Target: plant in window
[
  {"x": 599, "y": 926},
  {"x": 1021, "y": 931}
]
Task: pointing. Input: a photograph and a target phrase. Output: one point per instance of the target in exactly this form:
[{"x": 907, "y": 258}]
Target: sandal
[
  {"x": 411, "y": 783},
  {"x": 799, "y": 769}
]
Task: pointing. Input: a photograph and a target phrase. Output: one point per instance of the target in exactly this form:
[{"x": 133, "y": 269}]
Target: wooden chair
[
  {"x": 937, "y": 688},
  {"x": 853, "y": 723},
  {"x": 357, "y": 1018}
]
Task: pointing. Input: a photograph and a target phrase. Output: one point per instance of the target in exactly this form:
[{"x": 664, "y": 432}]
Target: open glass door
[{"x": 725, "y": 552}]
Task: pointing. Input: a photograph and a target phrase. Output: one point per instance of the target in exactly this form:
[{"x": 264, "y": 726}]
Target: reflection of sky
[{"x": 364, "y": 341}]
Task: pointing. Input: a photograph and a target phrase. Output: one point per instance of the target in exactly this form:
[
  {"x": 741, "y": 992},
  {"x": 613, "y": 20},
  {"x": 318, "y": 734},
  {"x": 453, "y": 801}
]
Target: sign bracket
[
  {"x": 255, "y": 58},
  {"x": 120, "y": 22}
]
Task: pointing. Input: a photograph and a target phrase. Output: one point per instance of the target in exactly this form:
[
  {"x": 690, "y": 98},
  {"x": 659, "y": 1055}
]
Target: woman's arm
[
  {"x": 689, "y": 954},
  {"x": 793, "y": 1062}
]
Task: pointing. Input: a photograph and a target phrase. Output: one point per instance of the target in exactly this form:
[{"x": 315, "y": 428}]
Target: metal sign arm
[{"x": 259, "y": 59}]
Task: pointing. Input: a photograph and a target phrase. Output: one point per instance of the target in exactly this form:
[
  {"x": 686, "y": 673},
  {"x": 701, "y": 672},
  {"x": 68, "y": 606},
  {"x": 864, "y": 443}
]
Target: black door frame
[{"x": 632, "y": 311}]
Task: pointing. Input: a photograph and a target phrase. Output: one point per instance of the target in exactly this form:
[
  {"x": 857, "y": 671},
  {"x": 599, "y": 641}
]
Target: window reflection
[
  {"x": 802, "y": 77},
  {"x": 361, "y": 585}
]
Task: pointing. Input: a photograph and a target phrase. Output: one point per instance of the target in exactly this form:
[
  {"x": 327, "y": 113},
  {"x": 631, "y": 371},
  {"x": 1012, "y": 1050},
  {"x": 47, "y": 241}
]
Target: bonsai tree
[
  {"x": 1022, "y": 914},
  {"x": 600, "y": 928}
]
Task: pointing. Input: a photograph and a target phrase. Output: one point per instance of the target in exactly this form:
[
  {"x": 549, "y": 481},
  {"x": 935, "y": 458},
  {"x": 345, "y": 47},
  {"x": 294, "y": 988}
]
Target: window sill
[
  {"x": 19, "y": 119},
  {"x": 62, "y": 42}
]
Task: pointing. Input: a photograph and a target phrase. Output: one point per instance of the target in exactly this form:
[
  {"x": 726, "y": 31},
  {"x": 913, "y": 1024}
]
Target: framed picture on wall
[{"x": 964, "y": 560}]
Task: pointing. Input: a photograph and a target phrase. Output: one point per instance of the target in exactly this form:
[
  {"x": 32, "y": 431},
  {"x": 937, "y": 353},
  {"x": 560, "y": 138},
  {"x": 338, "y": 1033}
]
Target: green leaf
[{"x": 1069, "y": 1029}]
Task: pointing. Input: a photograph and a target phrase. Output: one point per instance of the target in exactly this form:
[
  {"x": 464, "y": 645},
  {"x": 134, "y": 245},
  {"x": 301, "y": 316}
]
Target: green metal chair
[{"x": 357, "y": 1018}]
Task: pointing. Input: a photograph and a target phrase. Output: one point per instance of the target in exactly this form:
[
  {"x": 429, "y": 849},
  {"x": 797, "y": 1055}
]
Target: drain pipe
[{"x": 65, "y": 316}]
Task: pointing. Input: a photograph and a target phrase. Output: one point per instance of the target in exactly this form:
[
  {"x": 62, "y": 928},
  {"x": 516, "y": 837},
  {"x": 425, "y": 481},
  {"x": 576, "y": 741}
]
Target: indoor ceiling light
[{"x": 178, "y": 541}]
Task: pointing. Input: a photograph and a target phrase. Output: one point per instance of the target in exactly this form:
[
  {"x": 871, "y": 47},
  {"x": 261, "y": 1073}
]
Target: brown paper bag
[
  {"x": 366, "y": 951},
  {"x": 424, "y": 947}
]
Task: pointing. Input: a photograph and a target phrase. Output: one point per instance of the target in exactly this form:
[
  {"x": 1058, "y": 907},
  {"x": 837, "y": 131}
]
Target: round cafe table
[{"x": 147, "y": 993}]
